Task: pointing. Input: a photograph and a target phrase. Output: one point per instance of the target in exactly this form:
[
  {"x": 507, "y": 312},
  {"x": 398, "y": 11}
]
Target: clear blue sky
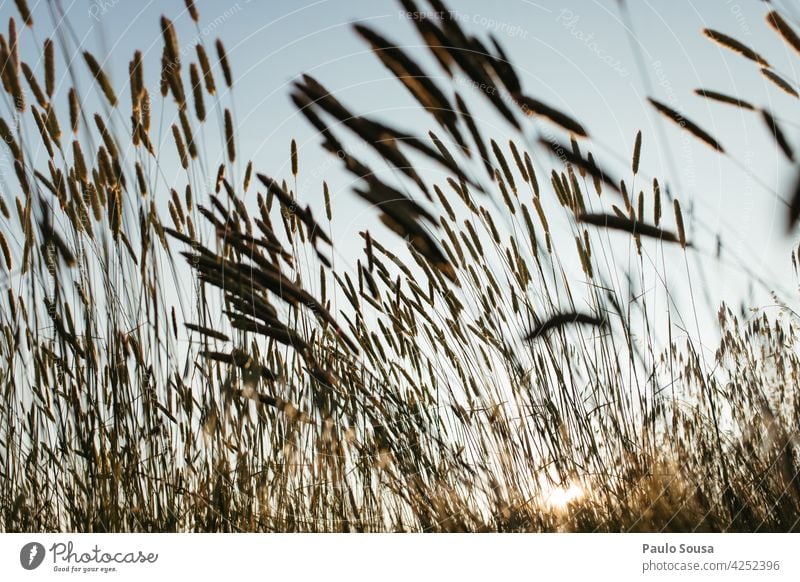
[{"x": 574, "y": 54}]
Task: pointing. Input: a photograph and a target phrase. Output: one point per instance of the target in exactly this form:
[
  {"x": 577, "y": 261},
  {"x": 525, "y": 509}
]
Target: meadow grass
[{"x": 487, "y": 366}]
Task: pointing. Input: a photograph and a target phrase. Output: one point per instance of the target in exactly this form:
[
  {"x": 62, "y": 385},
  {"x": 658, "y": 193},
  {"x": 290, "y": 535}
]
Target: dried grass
[{"x": 299, "y": 391}]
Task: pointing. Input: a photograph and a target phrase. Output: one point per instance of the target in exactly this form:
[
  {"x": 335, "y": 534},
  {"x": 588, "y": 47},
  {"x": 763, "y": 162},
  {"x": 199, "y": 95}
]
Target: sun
[{"x": 559, "y": 498}]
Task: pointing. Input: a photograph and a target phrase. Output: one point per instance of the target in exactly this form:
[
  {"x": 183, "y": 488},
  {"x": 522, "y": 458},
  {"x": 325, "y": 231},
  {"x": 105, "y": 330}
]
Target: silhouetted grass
[{"x": 490, "y": 368}]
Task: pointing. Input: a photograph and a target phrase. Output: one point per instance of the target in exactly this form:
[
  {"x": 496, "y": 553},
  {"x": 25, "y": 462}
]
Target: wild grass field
[{"x": 490, "y": 361}]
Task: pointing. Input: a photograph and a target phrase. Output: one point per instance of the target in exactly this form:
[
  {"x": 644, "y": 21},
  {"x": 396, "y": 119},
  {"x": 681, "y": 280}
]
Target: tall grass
[{"x": 489, "y": 368}]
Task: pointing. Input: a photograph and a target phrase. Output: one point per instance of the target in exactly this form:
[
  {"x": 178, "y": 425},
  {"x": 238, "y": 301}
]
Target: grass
[{"x": 491, "y": 365}]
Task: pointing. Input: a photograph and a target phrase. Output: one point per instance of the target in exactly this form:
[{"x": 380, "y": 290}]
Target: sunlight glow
[{"x": 560, "y": 497}]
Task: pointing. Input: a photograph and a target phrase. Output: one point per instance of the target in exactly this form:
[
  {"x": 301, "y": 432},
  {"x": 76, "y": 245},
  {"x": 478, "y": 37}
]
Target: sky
[
  {"x": 580, "y": 56},
  {"x": 589, "y": 58}
]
